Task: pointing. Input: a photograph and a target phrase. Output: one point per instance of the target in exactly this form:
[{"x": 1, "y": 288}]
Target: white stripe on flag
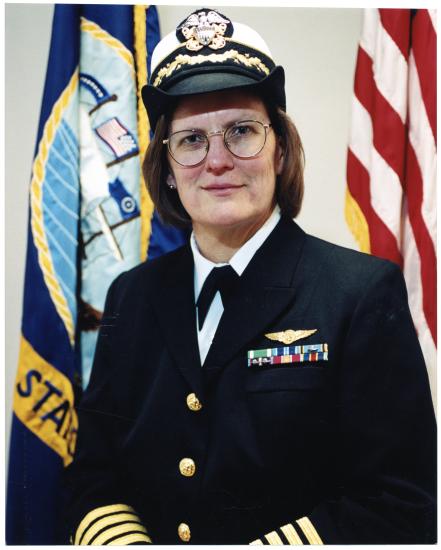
[
  {"x": 432, "y": 14},
  {"x": 386, "y": 190},
  {"x": 386, "y": 193},
  {"x": 389, "y": 65},
  {"x": 361, "y": 137},
  {"x": 411, "y": 270},
  {"x": 423, "y": 143}
]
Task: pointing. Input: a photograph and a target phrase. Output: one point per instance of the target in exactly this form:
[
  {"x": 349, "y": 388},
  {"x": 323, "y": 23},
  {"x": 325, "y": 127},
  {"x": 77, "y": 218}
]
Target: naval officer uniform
[{"x": 307, "y": 420}]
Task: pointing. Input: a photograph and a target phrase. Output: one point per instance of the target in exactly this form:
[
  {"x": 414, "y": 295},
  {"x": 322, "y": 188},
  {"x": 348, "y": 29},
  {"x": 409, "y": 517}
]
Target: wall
[{"x": 317, "y": 47}]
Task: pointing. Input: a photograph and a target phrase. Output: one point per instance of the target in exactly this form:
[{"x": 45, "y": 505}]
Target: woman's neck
[{"x": 220, "y": 244}]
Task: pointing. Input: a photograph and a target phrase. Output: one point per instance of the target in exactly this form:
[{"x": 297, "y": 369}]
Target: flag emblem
[{"x": 117, "y": 137}]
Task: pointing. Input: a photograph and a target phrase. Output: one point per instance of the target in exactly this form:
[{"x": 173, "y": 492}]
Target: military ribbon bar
[
  {"x": 289, "y": 358},
  {"x": 288, "y": 350}
]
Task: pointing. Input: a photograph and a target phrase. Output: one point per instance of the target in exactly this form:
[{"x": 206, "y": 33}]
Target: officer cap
[{"x": 208, "y": 52}]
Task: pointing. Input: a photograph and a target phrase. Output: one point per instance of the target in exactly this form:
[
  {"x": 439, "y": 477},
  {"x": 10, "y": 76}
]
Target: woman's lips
[{"x": 222, "y": 189}]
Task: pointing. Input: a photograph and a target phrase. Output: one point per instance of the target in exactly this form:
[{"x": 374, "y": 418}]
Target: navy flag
[{"x": 90, "y": 218}]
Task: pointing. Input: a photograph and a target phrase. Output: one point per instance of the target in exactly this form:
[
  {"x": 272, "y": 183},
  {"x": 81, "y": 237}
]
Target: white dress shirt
[{"x": 238, "y": 262}]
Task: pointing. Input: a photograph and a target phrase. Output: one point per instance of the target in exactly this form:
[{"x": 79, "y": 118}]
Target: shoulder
[
  {"x": 157, "y": 268},
  {"x": 148, "y": 275},
  {"x": 346, "y": 269},
  {"x": 352, "y": 260}
]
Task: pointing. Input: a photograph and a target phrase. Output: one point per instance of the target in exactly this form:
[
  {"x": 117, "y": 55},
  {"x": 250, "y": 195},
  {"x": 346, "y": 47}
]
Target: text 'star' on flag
[
  {"x": 90, "y": 218},
  {"x": 391, "y": 168}
]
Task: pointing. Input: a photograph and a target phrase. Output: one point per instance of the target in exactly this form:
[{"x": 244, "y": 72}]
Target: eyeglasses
[{"x": 244, "y": 139}]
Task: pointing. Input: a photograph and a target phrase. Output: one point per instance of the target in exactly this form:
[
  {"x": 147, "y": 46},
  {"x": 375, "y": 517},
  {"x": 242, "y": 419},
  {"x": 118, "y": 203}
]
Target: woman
[{"x": 258, "y": 385}]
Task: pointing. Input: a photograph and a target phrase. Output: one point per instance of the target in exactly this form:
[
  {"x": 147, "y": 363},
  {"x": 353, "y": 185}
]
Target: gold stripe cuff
[
  {"x": 291, "y": 535},
  {"x": 256, "y": 542},
  {"x": 131, "y": 539},
  {"x": 309, "y": 530},
  {"x": 98, "y": 513},
  {"x": 107, "y": 523},
  {"x": 118, "y": 531},
  {"x": 274, "y": 539}
]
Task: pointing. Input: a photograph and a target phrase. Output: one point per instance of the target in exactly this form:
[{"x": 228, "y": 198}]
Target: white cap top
[{"x": 243, "y": 34}]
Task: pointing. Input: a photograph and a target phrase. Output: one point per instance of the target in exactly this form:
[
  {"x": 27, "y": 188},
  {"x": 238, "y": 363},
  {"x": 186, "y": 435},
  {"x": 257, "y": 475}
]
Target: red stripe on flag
[
  {"x": 383, "y": 242},
  {"x": 426, "y": 250},
  {"x": 424, "y": 51},
  {"x": 397, "y": 24},
  {"x": 389, "y": 132}
]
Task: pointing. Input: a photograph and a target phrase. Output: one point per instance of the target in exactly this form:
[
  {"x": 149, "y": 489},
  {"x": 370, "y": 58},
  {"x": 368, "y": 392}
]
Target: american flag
[
  {"x": 117, "y": 137},
  {"x": 391, "y": 166}
]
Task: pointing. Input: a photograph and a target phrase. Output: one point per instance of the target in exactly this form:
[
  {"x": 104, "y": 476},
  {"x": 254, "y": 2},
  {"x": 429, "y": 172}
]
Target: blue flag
[{"x": 90, "y": 218}]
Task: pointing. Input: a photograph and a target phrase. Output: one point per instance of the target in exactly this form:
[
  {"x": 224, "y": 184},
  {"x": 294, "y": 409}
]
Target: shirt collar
[{"x": 241, "y": 258}]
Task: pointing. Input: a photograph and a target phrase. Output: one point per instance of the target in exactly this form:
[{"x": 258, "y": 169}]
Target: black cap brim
[{"x": 158, "y": 101}]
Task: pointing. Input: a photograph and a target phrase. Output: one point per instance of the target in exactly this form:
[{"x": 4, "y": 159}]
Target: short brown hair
[{"x": 289, "y": 184}]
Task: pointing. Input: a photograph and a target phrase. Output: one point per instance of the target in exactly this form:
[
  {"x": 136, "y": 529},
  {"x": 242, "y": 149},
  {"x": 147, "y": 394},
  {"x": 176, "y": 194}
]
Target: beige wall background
[{"x": 318, "y": 49}]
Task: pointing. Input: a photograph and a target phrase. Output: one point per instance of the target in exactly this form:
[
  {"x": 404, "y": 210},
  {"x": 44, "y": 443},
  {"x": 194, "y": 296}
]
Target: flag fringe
[
  {"x": 140, "y": 45},
  {"x": 357, "y": 222},
  {"x": 37, "y": 221},
  {"x": 100, "y": 34}
]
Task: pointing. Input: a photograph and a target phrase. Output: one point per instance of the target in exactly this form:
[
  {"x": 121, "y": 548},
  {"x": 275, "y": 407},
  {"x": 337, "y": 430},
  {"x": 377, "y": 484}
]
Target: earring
[{"x": 171, "y": 182}]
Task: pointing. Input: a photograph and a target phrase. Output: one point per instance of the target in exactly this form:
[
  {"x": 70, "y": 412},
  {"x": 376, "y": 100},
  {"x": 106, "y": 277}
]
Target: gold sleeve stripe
[
  {"x": 274, "y": 539},
  {"x": 96, "y": 514},
  {"x": 120, "y": 521},
  {"x": 291, "y": 535},
  {"x": 256, "y": 542},
  {"x": 106, "y": 522},
  {"x": 309, "y": 530},
  {"x": 119, "y": 531},
  {"x": 130, "y": 539}
]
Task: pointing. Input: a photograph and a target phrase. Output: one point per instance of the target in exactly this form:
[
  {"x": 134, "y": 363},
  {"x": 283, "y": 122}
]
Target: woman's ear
[
  {"x": 171, "y": 182},
  {"x": 279, "y": 156}
]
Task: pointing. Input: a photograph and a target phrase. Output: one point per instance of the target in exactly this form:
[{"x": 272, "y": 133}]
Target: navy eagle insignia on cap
[{"x": 204, "y": 28}]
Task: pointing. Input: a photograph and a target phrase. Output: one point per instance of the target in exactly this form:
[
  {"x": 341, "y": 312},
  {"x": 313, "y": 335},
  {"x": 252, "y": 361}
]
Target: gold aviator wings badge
[{"x": 289, "y": 336}]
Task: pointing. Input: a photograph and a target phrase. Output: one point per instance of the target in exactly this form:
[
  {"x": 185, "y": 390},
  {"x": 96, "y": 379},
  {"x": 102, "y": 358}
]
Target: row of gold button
[{"x": 187, "y": 467}]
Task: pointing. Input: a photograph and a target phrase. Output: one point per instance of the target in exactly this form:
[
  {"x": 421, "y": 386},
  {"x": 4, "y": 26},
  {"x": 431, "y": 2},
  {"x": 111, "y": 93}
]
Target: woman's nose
[{"x": 219, "y": 157}]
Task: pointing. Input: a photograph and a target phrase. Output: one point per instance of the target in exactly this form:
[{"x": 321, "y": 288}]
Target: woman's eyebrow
[{"x": 228, "y": 122}]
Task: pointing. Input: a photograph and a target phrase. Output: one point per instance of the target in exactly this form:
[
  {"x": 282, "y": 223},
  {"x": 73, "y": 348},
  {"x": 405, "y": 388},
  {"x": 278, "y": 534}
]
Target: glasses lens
[
  {"x": 188, "y": 147},
  {"x": 245, "y": 139}
]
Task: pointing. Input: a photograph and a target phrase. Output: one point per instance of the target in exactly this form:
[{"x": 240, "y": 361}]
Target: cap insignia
[{"x": 204, "y": 29}]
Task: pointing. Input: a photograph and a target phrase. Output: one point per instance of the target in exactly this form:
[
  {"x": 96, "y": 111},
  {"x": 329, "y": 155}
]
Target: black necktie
[{"x": 222, "y": 279}]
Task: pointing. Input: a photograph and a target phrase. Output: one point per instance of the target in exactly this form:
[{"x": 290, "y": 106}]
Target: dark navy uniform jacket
[{"x": 336, "y": 451}]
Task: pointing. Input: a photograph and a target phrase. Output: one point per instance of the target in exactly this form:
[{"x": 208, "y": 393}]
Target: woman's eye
[
  {"x": 193, "y": 139},
  {"x": 240, "y": 131}
]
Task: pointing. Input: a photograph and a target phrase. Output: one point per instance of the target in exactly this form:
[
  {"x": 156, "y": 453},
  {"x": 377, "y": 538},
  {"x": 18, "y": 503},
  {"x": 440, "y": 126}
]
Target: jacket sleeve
[
  {"x": 99, "y": 508},
  {"x": 385, "y": 488}
]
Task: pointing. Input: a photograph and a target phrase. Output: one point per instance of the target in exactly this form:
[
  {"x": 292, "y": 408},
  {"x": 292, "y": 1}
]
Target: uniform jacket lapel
[
  {"x": 266, "y": 289},
  {"x": 177, "y": 317}
]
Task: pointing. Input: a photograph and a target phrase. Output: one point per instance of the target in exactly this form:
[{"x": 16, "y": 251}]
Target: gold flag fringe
[
  {"x": 146, "y": 204},
  {"x": 357, "y": 222}
]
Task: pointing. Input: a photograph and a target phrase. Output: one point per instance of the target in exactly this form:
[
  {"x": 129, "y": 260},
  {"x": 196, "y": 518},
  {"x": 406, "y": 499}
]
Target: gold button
[
  {"x": 193, "y": 402},
  {"x": 187, "y": 467},
  {"x": 184, "y": 532}
]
